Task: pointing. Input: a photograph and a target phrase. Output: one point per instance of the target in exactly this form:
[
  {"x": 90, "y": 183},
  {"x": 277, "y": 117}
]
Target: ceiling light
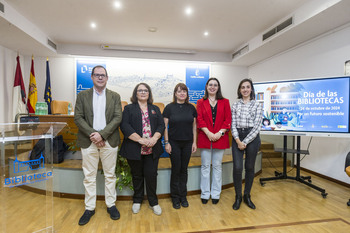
[
  {"x": 188, "y": 11},
  {"x": 152, "y": 29},
  {"x": 118, "y": 5},
  {"x": 93, "y": 25},
  {"x": 206, "y": 33}
]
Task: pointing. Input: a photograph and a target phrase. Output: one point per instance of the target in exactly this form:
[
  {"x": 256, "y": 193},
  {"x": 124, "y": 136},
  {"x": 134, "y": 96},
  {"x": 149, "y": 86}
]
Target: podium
[{"x": 21, "y": 210}]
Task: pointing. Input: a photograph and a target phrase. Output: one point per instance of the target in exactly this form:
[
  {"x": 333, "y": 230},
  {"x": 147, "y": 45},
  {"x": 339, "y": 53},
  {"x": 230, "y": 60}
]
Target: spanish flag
[{"x": 33, "y": 92}]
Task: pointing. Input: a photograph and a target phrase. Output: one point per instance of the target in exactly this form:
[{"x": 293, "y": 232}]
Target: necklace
[
  {"x": 211, "y": 99},
  {"x": 212, "y": 102}
]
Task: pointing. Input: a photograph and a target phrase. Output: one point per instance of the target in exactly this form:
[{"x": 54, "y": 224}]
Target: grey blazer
[{"x": 84, "y": 118}]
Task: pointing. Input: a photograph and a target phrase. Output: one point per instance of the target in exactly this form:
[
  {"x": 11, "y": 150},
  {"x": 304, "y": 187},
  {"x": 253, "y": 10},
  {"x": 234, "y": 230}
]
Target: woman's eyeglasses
[{"x": 142, "y": 91}]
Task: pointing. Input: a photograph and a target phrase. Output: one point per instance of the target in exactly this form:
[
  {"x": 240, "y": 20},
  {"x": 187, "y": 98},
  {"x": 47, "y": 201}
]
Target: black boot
[
  {"x": 248, "y": 201},
  {"x": 237, "y": 203}
]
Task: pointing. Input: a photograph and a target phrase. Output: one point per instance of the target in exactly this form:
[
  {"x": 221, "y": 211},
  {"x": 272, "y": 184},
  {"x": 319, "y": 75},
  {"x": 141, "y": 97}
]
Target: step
[
  {"x": 274, "y": 162},
  {"x": 266, "y": 145},
  {"x": 270, "y": 153}
]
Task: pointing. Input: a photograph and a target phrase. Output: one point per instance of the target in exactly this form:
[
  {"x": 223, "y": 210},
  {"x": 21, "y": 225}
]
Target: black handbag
[{"x": 59, "y": 148}]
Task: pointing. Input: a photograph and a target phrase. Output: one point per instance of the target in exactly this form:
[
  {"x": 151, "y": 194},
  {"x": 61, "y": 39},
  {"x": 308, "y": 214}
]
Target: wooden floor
[{"x": 282, "y": 207}]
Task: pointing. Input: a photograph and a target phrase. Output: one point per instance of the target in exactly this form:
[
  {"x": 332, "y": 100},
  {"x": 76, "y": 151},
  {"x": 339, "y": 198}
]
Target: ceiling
[{"x": 230, "y": 24}]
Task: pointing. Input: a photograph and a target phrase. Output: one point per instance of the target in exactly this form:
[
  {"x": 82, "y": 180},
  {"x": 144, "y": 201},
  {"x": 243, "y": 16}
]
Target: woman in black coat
[{"x": 143, "y": 126}]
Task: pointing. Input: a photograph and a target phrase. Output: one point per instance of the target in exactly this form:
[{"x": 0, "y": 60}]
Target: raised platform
[{"x": 68, "y": 177}]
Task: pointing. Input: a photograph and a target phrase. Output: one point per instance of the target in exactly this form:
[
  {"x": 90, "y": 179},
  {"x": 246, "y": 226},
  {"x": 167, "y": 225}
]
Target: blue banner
[
  {"x": 84, "y": 69},
  {"x": 196, "y": 77}
]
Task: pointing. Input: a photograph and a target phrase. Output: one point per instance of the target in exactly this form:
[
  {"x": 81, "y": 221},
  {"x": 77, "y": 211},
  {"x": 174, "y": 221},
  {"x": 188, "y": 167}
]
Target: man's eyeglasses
[
  {"x": 142, "y": 91},
  {"x": 99, "y": 75}
]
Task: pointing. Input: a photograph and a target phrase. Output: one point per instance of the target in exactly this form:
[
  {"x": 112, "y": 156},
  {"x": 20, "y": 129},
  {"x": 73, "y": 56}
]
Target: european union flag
[{"x": 47, "y": 94}]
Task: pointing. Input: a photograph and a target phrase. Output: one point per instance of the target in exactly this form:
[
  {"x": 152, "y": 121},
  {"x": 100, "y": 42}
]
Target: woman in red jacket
[{"x": 213, "y": 122}]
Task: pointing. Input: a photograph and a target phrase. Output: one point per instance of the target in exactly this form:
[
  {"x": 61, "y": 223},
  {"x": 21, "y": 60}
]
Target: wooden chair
[
  {"x": 347, "y": 169},
  {"x": 59, "y": 107},
  {"x": 124, "y": 103},
  {"x": 161, "y": 106}
]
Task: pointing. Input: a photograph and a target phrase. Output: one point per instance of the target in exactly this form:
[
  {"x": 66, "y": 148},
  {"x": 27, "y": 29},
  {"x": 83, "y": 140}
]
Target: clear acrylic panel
[{"x": 26, "y": 183}]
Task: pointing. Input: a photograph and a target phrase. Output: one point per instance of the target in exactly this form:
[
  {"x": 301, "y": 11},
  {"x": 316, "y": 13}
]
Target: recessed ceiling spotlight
[
  {"x": 117, "y": 4},
  {"x": 93, "y": 25},
  {"x": 188, "y": 11},
  {"x": 152, "y": 29},
  {"x": 206, "y": 33}
]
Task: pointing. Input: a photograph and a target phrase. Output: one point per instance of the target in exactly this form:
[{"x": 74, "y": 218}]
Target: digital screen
[{"x": 310, "y": 105}]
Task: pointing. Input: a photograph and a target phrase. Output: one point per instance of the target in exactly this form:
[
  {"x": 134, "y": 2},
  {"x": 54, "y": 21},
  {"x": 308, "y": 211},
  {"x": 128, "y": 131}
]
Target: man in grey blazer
[{"x": 98, "y": 114}]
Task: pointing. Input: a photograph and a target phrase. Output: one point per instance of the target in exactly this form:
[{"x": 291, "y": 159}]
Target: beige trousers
[{"x": 91, "y": 156}]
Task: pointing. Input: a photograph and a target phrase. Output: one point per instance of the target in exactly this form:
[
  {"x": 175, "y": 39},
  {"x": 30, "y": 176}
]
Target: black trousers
[
  {"x": 180, "y": 157},
  {"x": 141, "y": 170},
  {"x": 250, "y": 156}
]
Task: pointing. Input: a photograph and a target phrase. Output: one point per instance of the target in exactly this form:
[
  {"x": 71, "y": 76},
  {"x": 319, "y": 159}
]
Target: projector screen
[{"x": 311, "y": 105}]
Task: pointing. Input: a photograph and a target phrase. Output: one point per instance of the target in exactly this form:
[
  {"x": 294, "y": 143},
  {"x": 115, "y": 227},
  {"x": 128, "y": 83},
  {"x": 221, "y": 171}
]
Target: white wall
[
  {"x": 322, "y": 57},
  {"x": 229, "y": 77},
  {"x": 7, "y": 76},
  {"x": 62, "y": 71}
]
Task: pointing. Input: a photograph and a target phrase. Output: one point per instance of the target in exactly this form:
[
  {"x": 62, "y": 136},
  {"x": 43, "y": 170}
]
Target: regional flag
[
  {"x": 33, "y": 92},
  {"x": 47, "y": 93},
  {"x": 19, "y": 92}
]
